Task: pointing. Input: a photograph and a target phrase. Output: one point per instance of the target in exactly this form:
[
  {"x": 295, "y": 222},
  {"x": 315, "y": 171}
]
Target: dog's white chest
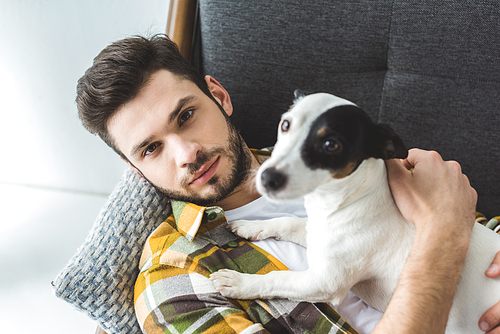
[{"x": 361, "y": 234}]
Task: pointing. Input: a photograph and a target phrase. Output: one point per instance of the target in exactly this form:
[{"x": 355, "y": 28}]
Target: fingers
[
  {"x": 399, "y": 170},
  {"x": 406, "y": 164},
  {"x": 396, "y": 170},
  {"x": 494, "y": 331},
  {"x": 494, "y": 269},
  {"x": 416, "y": 156},
  {"x": 491, "y": 320},
  {"x": 433, "y": 190}
]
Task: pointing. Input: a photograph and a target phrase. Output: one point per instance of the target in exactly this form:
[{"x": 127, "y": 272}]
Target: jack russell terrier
[{"x": 330, "y": 152}]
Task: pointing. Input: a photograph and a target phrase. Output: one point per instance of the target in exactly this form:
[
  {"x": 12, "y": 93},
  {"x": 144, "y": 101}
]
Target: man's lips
[{"x": 206, "y": 172}]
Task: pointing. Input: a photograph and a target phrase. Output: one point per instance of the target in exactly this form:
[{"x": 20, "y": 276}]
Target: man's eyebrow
[
  {"x": 137, "y": 148},
  {"x": 178, "y": 108},
  {"x": 182, "y": 102}
]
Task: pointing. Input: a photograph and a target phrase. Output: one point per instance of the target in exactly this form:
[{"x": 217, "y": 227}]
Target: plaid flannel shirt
[{"x": 173, "y": 293}]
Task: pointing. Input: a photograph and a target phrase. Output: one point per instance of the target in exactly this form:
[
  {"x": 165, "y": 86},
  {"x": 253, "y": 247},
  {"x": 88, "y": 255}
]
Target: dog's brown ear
[{"x": 386, "y": 144}]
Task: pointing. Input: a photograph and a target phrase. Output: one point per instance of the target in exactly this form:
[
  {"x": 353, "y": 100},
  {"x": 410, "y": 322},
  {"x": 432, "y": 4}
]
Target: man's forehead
[
  {"x": 163, "y": 97},
  {"x": 163, "y": 87}
]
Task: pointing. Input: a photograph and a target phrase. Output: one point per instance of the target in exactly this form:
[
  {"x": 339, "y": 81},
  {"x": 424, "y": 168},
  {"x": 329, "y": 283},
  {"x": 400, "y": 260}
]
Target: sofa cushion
[
  {"x": 430, "y": 69},
  {"x": 99, "y": 280},
  {"x": 261, "y": 52},
  {"x": 442, "y": 87}
]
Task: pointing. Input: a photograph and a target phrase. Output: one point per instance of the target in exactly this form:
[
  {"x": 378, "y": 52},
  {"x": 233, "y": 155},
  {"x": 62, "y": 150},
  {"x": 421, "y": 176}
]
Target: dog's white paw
[
  {"x": 233, "y": 284},
  {"x": 253, "y": 229}
]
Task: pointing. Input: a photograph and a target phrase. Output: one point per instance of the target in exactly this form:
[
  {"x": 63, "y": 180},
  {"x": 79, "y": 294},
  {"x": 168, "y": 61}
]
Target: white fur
[{"x": 356, "y": 237}]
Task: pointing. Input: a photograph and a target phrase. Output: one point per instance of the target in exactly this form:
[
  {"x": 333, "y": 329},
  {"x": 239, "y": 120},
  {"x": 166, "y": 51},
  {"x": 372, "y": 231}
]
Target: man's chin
[
  {"x": 210, "y": 201},
  {"x": 200, "y": 197}
]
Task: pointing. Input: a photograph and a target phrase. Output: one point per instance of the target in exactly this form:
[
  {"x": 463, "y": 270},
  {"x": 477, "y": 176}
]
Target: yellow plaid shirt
[{"x": 173, "y": 293}]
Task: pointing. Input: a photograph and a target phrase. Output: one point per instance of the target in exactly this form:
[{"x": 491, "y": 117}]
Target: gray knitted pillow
[{"x": 99, "y": 279}]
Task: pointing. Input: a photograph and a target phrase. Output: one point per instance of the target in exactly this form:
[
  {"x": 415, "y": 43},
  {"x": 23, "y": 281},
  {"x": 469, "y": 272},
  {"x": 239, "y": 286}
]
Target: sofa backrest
[{"x": 430, "y": 69}]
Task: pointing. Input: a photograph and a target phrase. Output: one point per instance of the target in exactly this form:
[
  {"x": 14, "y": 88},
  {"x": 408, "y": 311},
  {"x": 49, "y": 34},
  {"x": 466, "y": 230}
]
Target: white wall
[
  {"x": 54, "y": 176},
  {"x": 45, "y": 47}
]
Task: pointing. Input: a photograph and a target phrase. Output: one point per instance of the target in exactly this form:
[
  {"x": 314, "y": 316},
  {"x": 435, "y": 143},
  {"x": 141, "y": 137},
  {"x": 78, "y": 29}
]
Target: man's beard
[{"x": 240, "y": 160}]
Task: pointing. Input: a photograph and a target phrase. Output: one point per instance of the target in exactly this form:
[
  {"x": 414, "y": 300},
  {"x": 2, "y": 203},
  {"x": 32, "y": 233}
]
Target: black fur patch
[{"x": 344, "y": 136}]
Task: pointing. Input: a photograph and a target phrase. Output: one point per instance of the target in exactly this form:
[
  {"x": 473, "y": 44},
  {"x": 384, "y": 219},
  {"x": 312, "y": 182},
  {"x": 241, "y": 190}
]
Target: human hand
[
  {"x": 491, "y": 319},
  {"x": 434, "y": 194}
]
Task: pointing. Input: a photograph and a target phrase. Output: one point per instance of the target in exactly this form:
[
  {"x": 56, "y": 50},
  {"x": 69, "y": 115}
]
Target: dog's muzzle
[{"x": 272, "y": 179}]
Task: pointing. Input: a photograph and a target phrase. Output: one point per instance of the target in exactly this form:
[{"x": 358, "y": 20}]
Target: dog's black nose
[{"x": 272, "y": 179}]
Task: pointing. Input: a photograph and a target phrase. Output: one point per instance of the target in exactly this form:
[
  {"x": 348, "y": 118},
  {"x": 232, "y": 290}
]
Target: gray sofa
[{"x": 430, "y": 69}]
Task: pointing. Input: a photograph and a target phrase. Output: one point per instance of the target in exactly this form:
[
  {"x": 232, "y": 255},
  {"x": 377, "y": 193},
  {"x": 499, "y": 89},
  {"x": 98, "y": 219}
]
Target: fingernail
[
  {"x": 483, "y": 325},
  {"x": 492, "y": 269}
]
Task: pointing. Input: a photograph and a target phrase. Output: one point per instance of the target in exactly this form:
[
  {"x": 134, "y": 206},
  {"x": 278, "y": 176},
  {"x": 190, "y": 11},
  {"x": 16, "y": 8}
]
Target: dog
[{"x": 330, "y": 152}]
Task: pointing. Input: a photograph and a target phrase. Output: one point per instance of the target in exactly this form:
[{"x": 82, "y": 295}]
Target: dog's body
[{"x": 330, "y": 152}]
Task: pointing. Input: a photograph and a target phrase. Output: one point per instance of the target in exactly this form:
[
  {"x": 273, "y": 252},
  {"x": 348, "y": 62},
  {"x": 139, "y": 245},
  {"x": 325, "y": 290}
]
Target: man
[{"x": 170, "y": 124}]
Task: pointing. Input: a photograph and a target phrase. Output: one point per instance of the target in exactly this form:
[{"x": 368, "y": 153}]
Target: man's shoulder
[{"x": 157, "y": 239}]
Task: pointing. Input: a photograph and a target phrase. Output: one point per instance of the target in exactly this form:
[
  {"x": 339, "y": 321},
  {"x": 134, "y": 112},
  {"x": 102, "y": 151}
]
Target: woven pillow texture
[{"x": 99, "y": 279}]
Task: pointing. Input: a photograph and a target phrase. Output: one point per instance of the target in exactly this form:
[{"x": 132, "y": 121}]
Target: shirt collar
[{"x": 189, "y": 218}]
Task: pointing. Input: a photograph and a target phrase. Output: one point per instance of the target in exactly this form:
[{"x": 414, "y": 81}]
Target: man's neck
[{"x": 245, "y": 192}]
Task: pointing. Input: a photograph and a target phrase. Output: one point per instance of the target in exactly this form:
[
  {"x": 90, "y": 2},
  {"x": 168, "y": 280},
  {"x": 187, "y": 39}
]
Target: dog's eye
[
  {"x": 331, "y": 146},
  {"x": 285, "y": 125}
]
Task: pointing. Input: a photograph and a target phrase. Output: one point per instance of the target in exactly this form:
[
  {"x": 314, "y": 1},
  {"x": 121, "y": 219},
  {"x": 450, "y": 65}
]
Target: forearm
[
  {"x": 437, "y": 197},
  {"x": 423, "y": 298}
]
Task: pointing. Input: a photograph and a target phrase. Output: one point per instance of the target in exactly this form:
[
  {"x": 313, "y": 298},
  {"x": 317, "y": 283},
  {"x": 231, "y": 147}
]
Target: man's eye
[
  {"x": 151, "y": 149},
  {"x": 185, "y": 116}
]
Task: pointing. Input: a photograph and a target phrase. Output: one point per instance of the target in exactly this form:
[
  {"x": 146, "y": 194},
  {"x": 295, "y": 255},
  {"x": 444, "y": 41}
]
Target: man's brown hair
[{"x": 120, "y": 71}]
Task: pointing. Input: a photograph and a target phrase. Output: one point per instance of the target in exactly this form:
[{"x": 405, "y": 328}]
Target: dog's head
[{"x": 323, "y": 137}]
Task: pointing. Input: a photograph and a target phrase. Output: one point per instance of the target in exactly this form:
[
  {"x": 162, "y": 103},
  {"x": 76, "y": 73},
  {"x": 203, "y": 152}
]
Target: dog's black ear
[
  {"x": 298, "y": 93},
  {"x": 385, "y": 144}
]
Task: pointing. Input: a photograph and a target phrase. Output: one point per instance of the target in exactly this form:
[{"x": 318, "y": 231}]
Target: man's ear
[
  {"x": 385, "y": 144},
  {"x": 131, "y": 165},
  {"x": 220, "y": 94}
]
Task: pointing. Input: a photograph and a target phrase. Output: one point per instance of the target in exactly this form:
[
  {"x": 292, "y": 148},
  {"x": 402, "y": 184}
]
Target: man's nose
[{"x": 186, "y": 151}]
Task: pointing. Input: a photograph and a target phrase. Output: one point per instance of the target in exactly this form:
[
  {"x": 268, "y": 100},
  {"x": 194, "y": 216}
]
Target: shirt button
[{"x": 232, "y": 244}]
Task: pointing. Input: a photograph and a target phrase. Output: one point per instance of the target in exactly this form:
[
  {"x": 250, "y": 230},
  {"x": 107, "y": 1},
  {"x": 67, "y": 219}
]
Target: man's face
[{"x": 180, "y": 139}]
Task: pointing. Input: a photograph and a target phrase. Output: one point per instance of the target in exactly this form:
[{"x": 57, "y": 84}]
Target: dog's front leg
[
  {"x": 284, "y": 228},
  {"x": 294, "y": 285}
]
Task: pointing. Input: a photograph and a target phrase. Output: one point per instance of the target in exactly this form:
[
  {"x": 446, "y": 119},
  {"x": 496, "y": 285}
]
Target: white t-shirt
[{"x": 352, "y": 309}]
